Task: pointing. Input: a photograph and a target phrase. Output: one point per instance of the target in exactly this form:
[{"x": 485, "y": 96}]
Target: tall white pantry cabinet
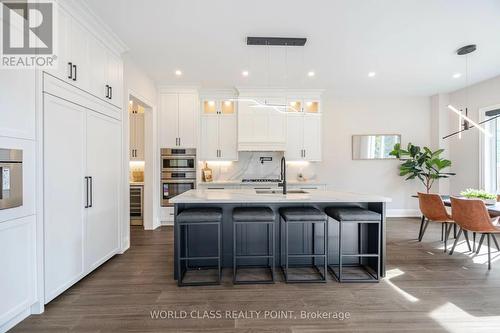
[{"x": 82, "y": 155}]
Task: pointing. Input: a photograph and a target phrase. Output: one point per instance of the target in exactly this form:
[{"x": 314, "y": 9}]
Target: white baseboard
[
  {"x": 167, "y": 223},
  {"x": 403, "y": 213},
  {"x": 14, "y": 321}
]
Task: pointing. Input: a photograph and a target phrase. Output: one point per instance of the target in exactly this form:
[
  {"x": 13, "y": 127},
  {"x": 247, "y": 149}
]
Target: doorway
[{"x": 141, "y": 166}]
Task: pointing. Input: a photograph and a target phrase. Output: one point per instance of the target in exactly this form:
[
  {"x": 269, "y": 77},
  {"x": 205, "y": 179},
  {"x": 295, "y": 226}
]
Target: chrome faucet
[{"x": 283, "y": 174}]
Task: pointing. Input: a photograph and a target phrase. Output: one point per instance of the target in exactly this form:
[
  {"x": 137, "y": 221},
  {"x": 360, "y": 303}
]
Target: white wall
[
  {"x": 346, "y": 116},
  {"x": 18, "y": 226},
  {"x": 137, "y": 83},
  {"x": 465, "y": 151}
]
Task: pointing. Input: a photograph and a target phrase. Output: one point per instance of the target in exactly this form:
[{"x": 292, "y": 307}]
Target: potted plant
[
  {"x": 488, "y": 198},
  {"x": 421, "y": 163}
]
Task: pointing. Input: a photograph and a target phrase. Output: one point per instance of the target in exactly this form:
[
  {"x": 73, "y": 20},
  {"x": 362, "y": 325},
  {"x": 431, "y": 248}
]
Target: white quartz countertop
[{"x": 251, "y": 196}]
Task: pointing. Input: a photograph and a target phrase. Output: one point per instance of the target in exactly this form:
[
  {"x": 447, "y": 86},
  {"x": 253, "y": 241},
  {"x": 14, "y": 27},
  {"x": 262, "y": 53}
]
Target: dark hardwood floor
[{"x": 426, "y": 290}]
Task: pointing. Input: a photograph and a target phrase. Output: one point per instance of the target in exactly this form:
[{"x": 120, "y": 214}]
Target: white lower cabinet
[{"x": 81, "y": 190}]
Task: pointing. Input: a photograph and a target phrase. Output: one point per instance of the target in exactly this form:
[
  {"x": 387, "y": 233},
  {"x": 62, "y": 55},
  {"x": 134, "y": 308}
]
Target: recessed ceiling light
[
  {"x": 178, "y": 72},
  {"x": 371, "y": 74},
  {"x": 457, "y": 75},
  {"x": 245, "y": 73},
  {"x": 311, "y": 74}
]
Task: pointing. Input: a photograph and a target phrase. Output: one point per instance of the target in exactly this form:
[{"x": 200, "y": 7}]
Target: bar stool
[
  {"x": 254, "y": 216},
  {"x": 368, "y": 256},
  {"x": 195, "y": 218},
  {"x": 305, "y": 216}
]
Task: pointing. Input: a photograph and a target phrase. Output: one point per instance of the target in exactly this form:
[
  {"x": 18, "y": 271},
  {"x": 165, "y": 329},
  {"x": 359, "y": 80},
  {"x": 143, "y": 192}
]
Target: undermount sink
[{"x": 280, "y": 192}]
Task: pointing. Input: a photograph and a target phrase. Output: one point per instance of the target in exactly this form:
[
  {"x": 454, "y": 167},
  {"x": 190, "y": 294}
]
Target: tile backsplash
[{"x": 249, "y": 166}]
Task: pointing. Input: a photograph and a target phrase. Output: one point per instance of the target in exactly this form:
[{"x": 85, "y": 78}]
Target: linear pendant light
[{"x": 466, "y": 124}]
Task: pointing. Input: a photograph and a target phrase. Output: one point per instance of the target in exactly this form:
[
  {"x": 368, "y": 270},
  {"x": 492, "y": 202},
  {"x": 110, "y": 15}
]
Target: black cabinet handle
[
  {"x": 91, "y": 190},
  {"x": 107, "y": 92},
  {"x": 110, "y": 92},
  {"x": 70, "y": 75},
  {"x": 86, "y": 192},
  {"x": 75, "y": 76}
]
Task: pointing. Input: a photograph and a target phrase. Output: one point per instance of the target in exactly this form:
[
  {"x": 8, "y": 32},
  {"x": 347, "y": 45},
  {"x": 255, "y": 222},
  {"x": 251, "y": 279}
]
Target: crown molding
[{"x": 81, "y": 12}]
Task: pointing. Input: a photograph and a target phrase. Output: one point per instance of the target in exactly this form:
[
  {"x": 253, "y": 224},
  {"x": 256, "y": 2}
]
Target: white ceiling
[{"x": 410, "y": 44}]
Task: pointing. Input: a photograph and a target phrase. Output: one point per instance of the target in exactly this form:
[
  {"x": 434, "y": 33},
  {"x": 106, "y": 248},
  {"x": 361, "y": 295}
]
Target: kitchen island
[{"x": 275, "y": 199}]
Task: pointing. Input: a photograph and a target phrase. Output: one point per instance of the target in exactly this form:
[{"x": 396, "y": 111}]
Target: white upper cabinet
[
  {"x": 178, "y": 120},
  {"x": 85, "y": 62},
  {"x": 218, "y": 139},
  {"x": 303, "y": 137},
  {"x": 187, "y": 115},
  {"x": 136, "y": 116}
]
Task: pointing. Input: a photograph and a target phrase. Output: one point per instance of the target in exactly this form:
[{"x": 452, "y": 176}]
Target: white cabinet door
[
  {"x": 187, "y": 120},
  {"x": 64, "y": 194},
  {"x": 228, "y": 138},
  {"x": 312, "y": 137},
  {"x": 169, "y": 124},
  {"x": 295, "y": 136},
  {"x": 103, "y": 163},
  {"x": 115, "y": 78},
  {"x": 139, "y": 136},
  {"x": 79, "y": 45},
  {"x": 63, "y": 49},
  {"x": 98, "y": 68},
  {"x": 209, "y": 140}
]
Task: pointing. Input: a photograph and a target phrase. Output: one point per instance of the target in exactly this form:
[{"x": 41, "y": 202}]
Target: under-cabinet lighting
[
  {"x": 227, "y": 103},
  {"x": 245, "y": 73},
  {"x": 211, "y": 103},
  {"x": 309, "y": 103},
  {"x": 311, "y": 74},
  {"x": 136, "y": 164},
  {"x": 219, "y": 163},
  {"x": 372, "y": 74},
  {"x": 301, "y": 163},
  {"x": 457, "y": 75},
  {"x": 178, "y": 72}
]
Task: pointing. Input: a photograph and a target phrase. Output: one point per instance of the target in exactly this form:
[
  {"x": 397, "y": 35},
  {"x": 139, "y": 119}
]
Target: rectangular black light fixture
[{"x": 276, "y": 41}]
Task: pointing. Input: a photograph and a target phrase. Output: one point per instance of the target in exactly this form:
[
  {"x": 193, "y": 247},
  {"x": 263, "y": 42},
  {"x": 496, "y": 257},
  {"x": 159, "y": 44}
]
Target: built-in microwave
[{"x": 176, "y": 159}]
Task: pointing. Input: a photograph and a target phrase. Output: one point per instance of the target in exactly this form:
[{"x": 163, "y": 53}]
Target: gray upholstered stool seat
[
  {"x": 258, "y": 214},
  {"x": 352, "y": 214},
  {"x": 193, "y": 215},
  {"x": 302, "y": 214}
]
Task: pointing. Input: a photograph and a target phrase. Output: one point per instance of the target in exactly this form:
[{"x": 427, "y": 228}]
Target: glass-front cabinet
[
  {"x": 306, "y": 105},
  {"x": 214, "y": 106}
]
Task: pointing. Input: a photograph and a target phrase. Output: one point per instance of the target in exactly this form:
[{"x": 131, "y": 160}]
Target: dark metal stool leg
[
  {"x": 495, "y": 241},
  {"x": 466, "y": 234},
  {"x": 456, "y": 241},
  {"x": 489, "y": 251},
  {"x": 474, "y": 242},
  {"x": 421, "y": 228},
  {"x": 480, "y": 243},
  {"x": 423, "y": 231}
]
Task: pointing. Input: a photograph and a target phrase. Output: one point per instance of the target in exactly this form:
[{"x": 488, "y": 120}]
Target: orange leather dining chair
[
  {"x": 472, "y": 215},
  {"x": 433, "y": 210}
]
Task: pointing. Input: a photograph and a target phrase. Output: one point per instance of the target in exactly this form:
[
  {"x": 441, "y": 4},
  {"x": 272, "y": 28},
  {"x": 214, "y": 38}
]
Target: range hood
[{"x": 262, "y": 146}]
